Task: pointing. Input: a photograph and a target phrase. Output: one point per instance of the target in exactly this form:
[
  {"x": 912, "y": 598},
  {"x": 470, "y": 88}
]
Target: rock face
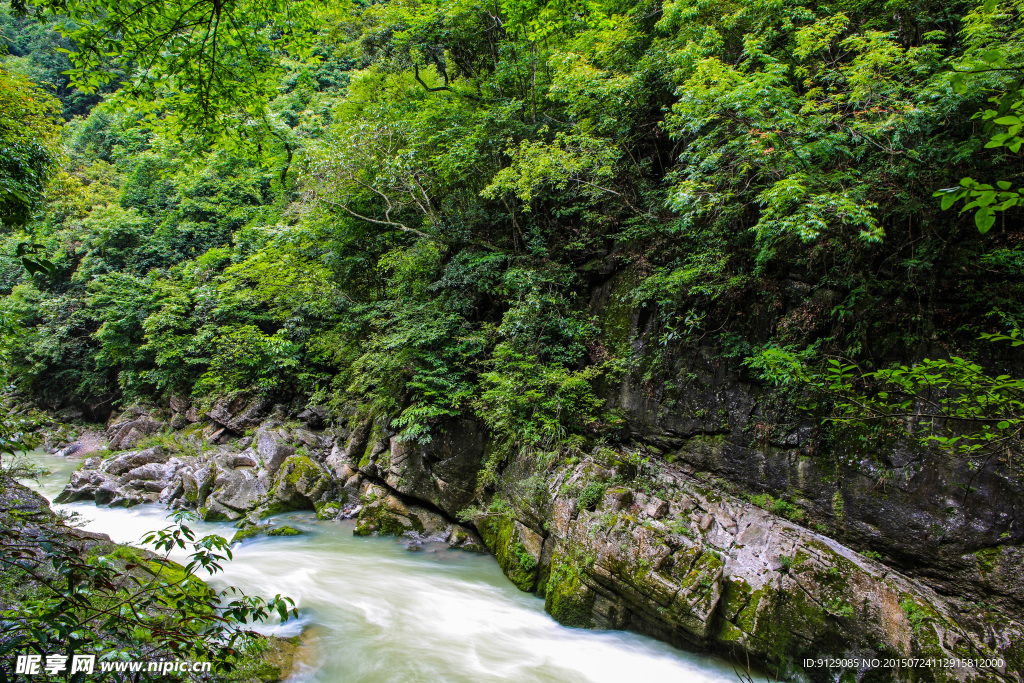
[
  {"x": 931, "y": 515},
  {"x": 444, "y": 471},
  {"x": 660, "y": 552},
  {"x": 659, "y": 534},
  {"x": 625, "y": 541}
]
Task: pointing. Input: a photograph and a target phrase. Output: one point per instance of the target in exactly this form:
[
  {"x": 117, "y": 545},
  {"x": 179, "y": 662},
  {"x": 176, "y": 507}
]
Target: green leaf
[
  {"x": 993, "y": 57},
  {"x": 985, "y": 219}
]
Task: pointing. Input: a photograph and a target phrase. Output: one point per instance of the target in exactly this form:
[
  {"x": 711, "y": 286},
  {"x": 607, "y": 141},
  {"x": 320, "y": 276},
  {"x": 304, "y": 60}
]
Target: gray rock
[
  {"x": 246, "y": 458},
  {"x": 272, "y": 450},
  {"x": 126, "y": 433},
  {"x": 444, "y": 471},
  {"x": 238, "y": 412},
  {"x": 129, "y": 461},
  {"x": 69, "y": 450},
  {"x": 316, "y": 417},
  {"x": 153, "y": 471},
  {"x": 239, "y": 490},
  {"x": 217, "y": 512},
  {"x": 179, "y": 404},
  {"x": 106, "y": 493}
]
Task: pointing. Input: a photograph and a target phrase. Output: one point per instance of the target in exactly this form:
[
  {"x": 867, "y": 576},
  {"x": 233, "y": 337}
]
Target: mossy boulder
[
  {"x": 387, "y": 517},
  {"x": 300, "y": 484},
  {"x": 254, "y": 530}
]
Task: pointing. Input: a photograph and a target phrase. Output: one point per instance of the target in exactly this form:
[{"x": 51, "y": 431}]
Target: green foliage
[
  {"x": 915, "y": 613},
  {"x": 228, "y": 51},
  {"x": 778, "y": 506},
  {"x": 949, "y": 403},
  {"x": 526, "y": 560},
  {"x": 129, "y": 602},
  {"x": 532, "y": 405},
  {"x": 437, "y": 193},
  {"x": 992, "y": 58},
  {"x": 28, "y": 155},
  {"x": 591, "y": 495}
]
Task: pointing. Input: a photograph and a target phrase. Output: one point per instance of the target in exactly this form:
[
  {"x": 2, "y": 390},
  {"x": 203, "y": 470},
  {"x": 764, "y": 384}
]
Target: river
[{"x": 379, "y": 612}]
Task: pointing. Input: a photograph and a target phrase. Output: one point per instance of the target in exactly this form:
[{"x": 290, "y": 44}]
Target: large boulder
[
  {"x": 129, "y": 461},
  {"x": 300, "y": 484},
  {"x": 384, "y": 514},
  {"x": 240, "y": 490},
  {"x": 239, "y": 412},
  {"x": 272, "y": 449},
  {"x": 667, "y": 555},
  {"x": 316, "y": 417},
  {"x": 444, "y": 471},
  {"x": 132, "y": 428},
  {"x": 84, "y": 484}
]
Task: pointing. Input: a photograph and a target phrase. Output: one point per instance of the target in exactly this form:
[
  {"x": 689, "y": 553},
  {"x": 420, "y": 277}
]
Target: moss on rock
[
  {"x": 508, "y": 540},
  {"x": 567, "y": 597},
  {"x": 386, "y": 517}
]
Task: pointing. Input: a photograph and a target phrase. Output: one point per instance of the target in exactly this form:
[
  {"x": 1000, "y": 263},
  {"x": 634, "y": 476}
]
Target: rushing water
[{"x": 380, "y": 613}]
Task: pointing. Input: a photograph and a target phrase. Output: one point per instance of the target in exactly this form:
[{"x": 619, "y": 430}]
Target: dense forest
[
  {"x": 535, "y": 216},
  {"x": 414, "y": 217}
]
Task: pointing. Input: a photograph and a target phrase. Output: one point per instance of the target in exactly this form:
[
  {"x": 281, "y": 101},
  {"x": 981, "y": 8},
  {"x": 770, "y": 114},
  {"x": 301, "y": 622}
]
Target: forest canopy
[{"x": 408, "y": 205}]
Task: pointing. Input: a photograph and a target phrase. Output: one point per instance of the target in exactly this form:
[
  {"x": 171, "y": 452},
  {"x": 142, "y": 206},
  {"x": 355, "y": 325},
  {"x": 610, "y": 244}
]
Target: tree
[{"x": 209, "y": 65}]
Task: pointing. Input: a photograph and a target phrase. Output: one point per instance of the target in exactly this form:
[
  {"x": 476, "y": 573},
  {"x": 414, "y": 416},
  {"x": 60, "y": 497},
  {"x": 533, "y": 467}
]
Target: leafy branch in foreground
[
  {"x": 63, "y": 592},
  {"x": 205, "y": 61}
]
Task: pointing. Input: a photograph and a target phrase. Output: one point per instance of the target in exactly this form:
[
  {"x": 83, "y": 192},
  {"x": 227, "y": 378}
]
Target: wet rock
[
  {"x": 250, "y": 531},
  {"x": 697, "y": 568},
  {"x": 516, "y": 547},
  {"x": 106, "y": 492},
  {"x": 240, "y": 490},
  {"x": 328, "y": 510},
  {"x": 255, "y": 530},
  {"x": 383, "y": 514},
  {"x": 462, "y": 538},
  {"x": 83, "y": 485},
  {"x": 444, "y": 471},
  {"x": 215, "y": 511}
]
